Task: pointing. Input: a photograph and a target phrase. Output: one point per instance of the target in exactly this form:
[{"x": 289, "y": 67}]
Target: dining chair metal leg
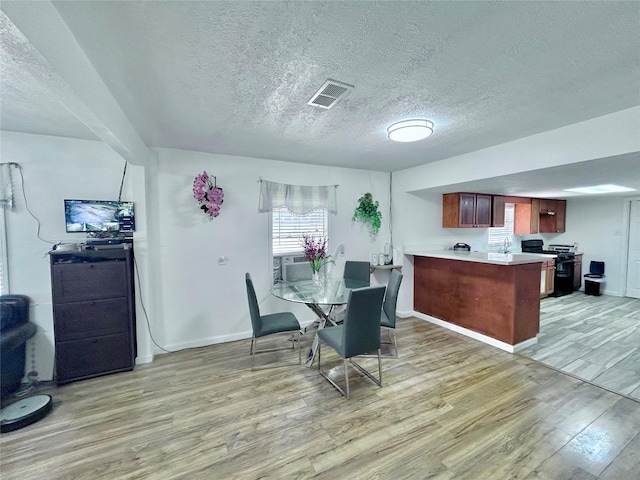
[
  {"x": 254, "y": 347},
  {"x": 343, "y": 392},
  {"x": 346, "y": 376},
  {"x": 393, "y": 341},
  {"x": 377, "y": 381},
  {"x": 392, "y": 333},
  {"x": 295, "y": 338}
]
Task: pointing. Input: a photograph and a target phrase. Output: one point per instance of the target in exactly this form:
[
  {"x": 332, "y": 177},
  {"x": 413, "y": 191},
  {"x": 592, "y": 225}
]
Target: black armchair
[{"x": 15, "y": 330}]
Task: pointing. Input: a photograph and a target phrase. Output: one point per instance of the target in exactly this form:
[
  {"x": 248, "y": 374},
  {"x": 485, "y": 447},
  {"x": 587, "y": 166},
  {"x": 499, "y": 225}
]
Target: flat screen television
[{"x": 99, "y": 216}]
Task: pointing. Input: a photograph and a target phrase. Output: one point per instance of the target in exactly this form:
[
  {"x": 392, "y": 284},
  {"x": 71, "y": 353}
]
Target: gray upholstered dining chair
[
  {"x": 356, "y": 275},
  {"x": 388, "y": 314},
  {"x": 264, "y": 325},
  {"x": 360, "y": 271},
  {"x": 358, "y": 335}
]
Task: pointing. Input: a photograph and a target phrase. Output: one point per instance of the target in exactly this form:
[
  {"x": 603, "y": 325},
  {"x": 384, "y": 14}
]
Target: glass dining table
[{"x": 322, "y": 296}]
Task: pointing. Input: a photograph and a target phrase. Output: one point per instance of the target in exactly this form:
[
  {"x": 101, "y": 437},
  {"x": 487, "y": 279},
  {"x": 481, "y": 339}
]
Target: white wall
[
  {"x": 203, "y": 302},
  {"x": 56, "y": 168}
]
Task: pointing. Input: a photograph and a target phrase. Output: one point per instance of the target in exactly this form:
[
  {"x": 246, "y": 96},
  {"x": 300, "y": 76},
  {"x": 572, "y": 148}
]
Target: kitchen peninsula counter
[
  {"x": 483, "y": 257},
  {"x": 490, "y": 296}
]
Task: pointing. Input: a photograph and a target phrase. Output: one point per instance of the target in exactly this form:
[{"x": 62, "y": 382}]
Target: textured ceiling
[{"x": 234, "y": 77}]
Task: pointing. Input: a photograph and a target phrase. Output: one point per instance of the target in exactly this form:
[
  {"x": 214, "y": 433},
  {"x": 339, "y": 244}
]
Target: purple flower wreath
[{"x": 208, "y": 194}]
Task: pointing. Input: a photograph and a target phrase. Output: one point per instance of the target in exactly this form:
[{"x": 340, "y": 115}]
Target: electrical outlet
[{"x": 222, "y": 260}]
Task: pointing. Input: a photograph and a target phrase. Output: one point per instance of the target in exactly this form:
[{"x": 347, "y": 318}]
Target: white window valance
[
  {"x": 298, "y": 199},
  {"x": 6, "y": 186}
]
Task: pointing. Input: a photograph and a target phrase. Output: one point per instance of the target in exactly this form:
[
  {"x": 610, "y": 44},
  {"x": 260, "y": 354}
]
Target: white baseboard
[
  {"x": 477, "y": 336},
  {"x": 406, "y": 314},
  {"x": 145, "y": 359},
  {"x": 203, "y": 342}
]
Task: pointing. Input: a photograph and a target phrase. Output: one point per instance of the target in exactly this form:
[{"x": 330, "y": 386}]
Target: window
[
  {"x": 497, "y": 235},
  {"x": 287, "y": 229}
]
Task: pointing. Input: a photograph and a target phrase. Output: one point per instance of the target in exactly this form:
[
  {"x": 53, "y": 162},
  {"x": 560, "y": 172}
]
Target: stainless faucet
[{"x": 505, "y": 245}]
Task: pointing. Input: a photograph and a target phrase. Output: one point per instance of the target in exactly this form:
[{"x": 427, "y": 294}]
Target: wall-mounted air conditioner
[{"x": 295, "y": 268}]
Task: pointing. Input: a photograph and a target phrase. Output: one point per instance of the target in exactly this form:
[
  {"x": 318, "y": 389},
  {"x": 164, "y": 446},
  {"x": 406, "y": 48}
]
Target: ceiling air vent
[{"x": 329, "y": 94}]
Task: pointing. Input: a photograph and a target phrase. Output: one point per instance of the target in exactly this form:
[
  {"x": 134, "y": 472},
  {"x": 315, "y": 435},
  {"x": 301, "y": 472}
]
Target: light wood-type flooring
[
  {"x": 450, "y": 408},
  {"x": 596, "y": 338}
]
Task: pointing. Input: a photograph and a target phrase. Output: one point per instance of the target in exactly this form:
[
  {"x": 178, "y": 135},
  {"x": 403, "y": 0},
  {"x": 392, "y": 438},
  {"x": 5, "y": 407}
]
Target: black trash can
[{"x": 592, "y": 287}]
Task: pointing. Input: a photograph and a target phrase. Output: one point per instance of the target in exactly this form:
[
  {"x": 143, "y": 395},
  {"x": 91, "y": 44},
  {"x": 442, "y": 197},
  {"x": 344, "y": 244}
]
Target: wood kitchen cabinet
[
  {"x": 526, "y": 218},
  {"x": 466, "y": 210},
  {"x": 547, "y": 283},
  {"x": 543, "y": 215},
  {"x": 552, "y": 215},
  {"x": 577, "y": 271},
  {"x": 497, "y": 207},
  {"x": 531, "y": 215}
]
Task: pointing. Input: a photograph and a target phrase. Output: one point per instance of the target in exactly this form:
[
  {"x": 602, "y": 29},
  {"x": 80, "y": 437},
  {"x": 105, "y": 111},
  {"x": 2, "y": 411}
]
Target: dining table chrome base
[{"x": 323, "y": 318}]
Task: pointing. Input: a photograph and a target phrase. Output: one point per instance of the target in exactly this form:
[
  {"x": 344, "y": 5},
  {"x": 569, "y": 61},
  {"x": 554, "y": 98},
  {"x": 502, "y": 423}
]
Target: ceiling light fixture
[
  {"x": 410, "y": 130},
  {"x": 600, "y": 189}
]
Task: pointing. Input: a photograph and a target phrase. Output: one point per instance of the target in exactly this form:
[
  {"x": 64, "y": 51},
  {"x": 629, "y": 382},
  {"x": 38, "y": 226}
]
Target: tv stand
[
  {"x": 93, "y": 311},
  {"x": 109, "y": 241}
]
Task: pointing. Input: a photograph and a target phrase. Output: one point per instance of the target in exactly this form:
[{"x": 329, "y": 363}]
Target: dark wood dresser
[{"x": 93, "y": 312}]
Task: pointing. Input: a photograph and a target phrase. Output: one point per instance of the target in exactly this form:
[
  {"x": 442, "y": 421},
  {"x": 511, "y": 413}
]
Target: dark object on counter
[
  {"x": 461, "y": 247},
  {"x": 594, "y": 279}
]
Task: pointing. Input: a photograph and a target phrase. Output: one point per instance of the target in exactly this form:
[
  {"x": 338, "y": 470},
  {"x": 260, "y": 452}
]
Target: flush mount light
[
  {"x": 600, "y": 189},
  {"x": 410, "y": 130}
]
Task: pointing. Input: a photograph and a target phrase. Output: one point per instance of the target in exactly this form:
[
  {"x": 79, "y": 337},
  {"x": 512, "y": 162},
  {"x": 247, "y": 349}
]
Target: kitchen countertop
[{"x": 483, "y": 257}]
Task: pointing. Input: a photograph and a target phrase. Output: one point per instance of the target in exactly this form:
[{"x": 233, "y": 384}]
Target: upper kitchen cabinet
[
  {"x": 497, "y": 217},
  {"x": 526, "y": 219},
  {"x": 552, "y": 215},
  {"x": 466, "y": 210},
  {"x": 542, "y": 215},
  {"x": 531, "y": 215}
]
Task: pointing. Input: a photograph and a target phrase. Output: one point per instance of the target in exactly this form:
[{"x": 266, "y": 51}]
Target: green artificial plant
[{"x": 367, "y": 211}]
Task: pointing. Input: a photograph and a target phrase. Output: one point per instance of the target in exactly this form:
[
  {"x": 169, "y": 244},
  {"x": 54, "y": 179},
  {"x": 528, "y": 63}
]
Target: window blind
[
  {"x": 287, "y": 229},
  {"x": 498, "y": 234}
]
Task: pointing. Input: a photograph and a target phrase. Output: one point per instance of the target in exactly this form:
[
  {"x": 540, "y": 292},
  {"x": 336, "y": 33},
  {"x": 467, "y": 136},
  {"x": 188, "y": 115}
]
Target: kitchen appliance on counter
[
  {"x": 565, "y": 263},
  {"x": 461, "y": 247}
]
